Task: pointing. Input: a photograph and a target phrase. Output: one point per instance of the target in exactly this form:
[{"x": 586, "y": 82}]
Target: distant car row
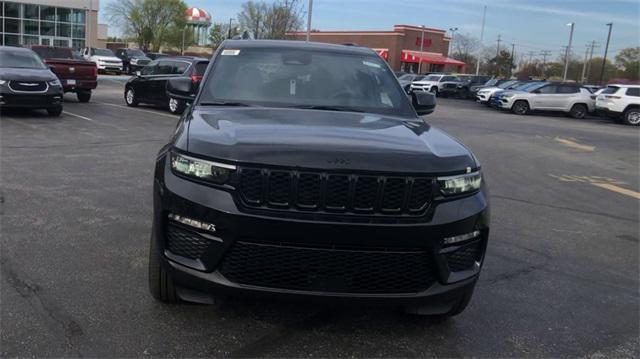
[{"x": 124, "y": 60}]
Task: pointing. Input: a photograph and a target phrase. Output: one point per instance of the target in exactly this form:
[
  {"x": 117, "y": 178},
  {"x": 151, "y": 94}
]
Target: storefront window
[
  {"x": 30, "y": 12},
  {"x": 47, "y": 13},
  {"x": 61, "y": 42},
  {"x": 11, "y": 40},
  {"x": 63, "y": 30},
  {"x": 63, "y": 14},
  {"x": 11, "y": 9},
  {"x": 12, "y": 25},
  {"x": 30, "y": 40},
  {"x": 78, "y": 16},
  {"x": 47, "y": 28},
  {"x": 30, "y": 27},
  {"x": 78, "y": 31},
  {"x": 78, "y": 44}
]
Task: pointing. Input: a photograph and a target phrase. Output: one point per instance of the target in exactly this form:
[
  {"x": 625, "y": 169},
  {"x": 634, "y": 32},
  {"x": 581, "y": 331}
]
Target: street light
[
  {"x": 606, "y": 49},
  {"x": 566, "y": 55},
  {"x": 453, "y": 37},
  {"x": 421, "y": 48}
]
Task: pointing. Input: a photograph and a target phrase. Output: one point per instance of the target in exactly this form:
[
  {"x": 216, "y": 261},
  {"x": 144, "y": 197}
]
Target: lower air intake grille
[
  {"x": 327, "y": 269},
  {"x": 463, "y": 258},
  {"x": 185, "y": 243}
]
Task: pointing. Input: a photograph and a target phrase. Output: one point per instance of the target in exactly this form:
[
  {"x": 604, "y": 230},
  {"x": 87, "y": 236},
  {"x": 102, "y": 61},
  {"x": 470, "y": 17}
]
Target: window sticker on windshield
[
  {"x": 230, "y": 52},
  {"x": 372, "y": 64}
]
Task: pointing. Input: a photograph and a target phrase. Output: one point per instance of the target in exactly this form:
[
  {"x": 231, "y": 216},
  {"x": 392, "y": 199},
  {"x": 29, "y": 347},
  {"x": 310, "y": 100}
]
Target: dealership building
[
  {"x": 68, "y": 23},
  {"x": 404, "y": 48}
]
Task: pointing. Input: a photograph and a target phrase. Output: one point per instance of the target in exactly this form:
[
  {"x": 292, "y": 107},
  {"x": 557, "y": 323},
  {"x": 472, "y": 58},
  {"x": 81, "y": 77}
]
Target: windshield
[
  {"x": 407, "y": 77},
  {"x": 529, "y": 86},
  {"x": 507, "y": 84},
  {"x": 610, "y": 90},
  {"x": 135, "y": 52},
  {"x": 280, "y": 77},
  {"x": 53, "y": 52},
  {"x": 20, "y": 59},
  {"x": 103, "y": 52},
  {"x": 432, "y": 78},
  {"x": 491, "y": 82}
]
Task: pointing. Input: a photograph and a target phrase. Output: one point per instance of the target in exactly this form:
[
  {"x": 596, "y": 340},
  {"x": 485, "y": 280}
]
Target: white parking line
[
  {"x": 92, "y": 120},
  {"x": 139, "y": 109},
  {"x": 78, "y": 116}
]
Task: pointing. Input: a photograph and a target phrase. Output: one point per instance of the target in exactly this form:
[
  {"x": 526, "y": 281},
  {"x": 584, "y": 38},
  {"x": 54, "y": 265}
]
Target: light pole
[
  {"x": 566, "y": 56},
  {"x": 606, "y": 49},
  {"x": 484, "y": 14},
  {"x": 453, "y": 38},
  {"x": 182, "y": 48},
  {"x": 229, "y": 33},
  {"x": 309, "y": 20},
  {"x": 421, "y": 48}
]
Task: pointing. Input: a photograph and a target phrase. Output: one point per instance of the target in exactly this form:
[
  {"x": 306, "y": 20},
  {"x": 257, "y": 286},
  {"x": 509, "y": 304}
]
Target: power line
[
  {"x": 531, "y": 53},
  {"x": 544, "y": 54}
]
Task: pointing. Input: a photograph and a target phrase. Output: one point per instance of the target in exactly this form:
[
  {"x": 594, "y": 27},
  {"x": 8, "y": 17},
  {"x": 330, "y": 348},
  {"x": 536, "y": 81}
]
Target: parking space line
[
  {"x": 92, "y": 120},
  {"x": 614, "y": 188},
  {"x": 575, "y": 145},
  {"x": 139, "y": 109},
  {"x": 601, "y": 182},
  {"x": 78, "y": 116}
]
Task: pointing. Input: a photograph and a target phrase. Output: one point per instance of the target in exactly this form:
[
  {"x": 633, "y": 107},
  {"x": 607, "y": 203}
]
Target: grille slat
[
  {"x": 28, "y": 86},
  {"x": 327, "y": 269},
  {"x": 334, "y": 192}
]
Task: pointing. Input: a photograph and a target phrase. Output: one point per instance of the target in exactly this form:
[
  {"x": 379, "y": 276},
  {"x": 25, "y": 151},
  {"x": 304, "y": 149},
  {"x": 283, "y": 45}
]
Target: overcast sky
[{"x": 533, "y": 25}]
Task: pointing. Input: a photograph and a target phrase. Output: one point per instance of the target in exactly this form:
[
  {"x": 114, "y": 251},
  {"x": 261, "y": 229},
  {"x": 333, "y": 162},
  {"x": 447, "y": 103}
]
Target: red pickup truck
[{"x": 77, "y": 76}]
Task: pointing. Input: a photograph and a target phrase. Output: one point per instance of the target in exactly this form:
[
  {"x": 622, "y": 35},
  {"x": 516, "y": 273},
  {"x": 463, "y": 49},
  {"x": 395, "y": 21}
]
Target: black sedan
[
  {"x": 26, "y": 82},
  {"x": 149, "y": 85}
]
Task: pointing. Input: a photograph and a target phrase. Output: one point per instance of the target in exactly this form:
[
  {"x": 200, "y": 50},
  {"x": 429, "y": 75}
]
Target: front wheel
[
  {"x": 54, "y": 111},
  {"x": 84, "y": 96},
  {"x": 520, "y": 108},
  {"x": 578, "y": 111},
  {"x": 435, "y": 91},
  {"x": 631, "y": 117},
  {"x": 160, "y": 283},
  {"x": 176, "y": 106},
  {"x": 130, "y": 97}
]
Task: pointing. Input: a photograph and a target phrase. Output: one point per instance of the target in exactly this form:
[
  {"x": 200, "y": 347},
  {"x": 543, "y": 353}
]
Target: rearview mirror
[
  {"x": 182, "y": 88},
  {"x": 423, "y": 102}
]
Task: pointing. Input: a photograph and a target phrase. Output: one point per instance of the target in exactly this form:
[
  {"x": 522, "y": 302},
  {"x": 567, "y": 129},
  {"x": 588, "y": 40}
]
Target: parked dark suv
[
  {"x": 132, "y": 59},
  {"x": 149, "y": 84},
  {"x": 304, "y": 170}
]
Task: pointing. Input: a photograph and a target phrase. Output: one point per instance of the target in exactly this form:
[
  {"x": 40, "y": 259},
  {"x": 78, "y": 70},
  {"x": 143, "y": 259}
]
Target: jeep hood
[{"x": 323, "y": 140}]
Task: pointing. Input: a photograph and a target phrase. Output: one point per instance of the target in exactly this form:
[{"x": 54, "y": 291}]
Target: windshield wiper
[
  {"x": 226, "y": 103},
  {"x": 327, "y": 108}
]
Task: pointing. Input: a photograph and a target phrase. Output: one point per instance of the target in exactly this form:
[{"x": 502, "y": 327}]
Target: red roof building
[{"x": 403, "y": 48}]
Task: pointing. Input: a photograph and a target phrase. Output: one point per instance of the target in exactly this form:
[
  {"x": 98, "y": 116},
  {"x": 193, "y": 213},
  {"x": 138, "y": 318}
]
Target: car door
[
  {"x": 177, "y": 68},
  {"x": 544, "y": 98},
  {"x": 567, "y": 96},
  {"x": 142, "y": 84},
  {"x": 158, "y": 83}
]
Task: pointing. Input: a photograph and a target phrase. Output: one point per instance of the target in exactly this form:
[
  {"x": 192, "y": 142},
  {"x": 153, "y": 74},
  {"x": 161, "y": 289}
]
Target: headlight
[
  {"x": 200, "y": 169},
  {"x": 2, "y": 82},
  {"x": 55, "y": 83},
  {"x": 454, "y": 185}
]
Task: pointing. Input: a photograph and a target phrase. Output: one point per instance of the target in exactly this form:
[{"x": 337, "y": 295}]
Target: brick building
[{"x": 400, "y": 47}]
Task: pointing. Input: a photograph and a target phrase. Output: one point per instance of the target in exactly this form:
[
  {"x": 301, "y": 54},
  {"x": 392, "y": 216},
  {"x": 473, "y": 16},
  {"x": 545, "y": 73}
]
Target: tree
[
  {"x": 501, "y": 65},
  {"x": 219, "y": 32},
  {"x": 252, "y": 17},
  {"x": 629, "y": 61},
  {"x": 464, "y": 47},
  {"x": 272, "y": 21},
  {"x": 148, "y": 22}
]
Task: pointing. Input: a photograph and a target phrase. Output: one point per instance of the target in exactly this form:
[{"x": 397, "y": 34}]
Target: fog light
[
  {"x": 193, "y": 223},
  {"x": 461, "y": 238}
]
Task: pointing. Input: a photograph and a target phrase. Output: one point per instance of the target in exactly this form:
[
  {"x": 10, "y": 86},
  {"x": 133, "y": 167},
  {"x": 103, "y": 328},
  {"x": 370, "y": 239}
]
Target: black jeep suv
[
  {"x": 304, "y": 170},
  {"x": 132, "y": 60}
]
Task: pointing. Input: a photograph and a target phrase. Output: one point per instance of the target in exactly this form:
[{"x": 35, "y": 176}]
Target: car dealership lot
[{"x": 560, "y": 277}]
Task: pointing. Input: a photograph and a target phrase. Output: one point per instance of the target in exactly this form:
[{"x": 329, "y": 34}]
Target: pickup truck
[{"x": 77, "y": 76}]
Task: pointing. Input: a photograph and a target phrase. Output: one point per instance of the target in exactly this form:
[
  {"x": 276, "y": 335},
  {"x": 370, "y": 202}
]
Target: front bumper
[
  {"x": 483, "y": 97},
  {"x": 256, "y": 254},
  {"x": 50, "y": 99},
  {"x": 103, "y": 66}
]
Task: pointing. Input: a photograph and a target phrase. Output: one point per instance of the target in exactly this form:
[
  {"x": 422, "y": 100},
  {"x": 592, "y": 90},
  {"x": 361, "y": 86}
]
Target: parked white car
[
  {"x": 569, "y": 98},
  {"x": 484, "y": 94},
  {"x": 432, "y": 83},
  {"x": 104, "y": 59},
  {"x": 620, "y": 101}
]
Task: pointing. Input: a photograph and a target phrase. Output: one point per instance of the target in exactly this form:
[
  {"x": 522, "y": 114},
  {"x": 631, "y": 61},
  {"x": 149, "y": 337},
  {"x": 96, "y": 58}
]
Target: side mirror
[
  {"x": 423, "y": 102},
  {"x": 138, "y": 73},
  {"x": 182, "y": 88}
]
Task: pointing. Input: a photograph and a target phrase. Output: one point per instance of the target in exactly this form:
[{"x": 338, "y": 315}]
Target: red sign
[{"x": 425, "y": 43}]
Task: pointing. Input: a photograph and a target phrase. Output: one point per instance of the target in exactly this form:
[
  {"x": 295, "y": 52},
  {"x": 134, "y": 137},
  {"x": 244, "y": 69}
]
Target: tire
[
  {"x": 435, "y": 91},
  {"x": 54, "y": 111},
  {"x": 520, "y": 107},
  {"x": 578, "y": 111},
  {"x": 130, "y": 97},
  {"x": 84, "y": 96},
  {"x": 161, "y": 285},
  {"x": 631, "y": 116},
  {"x": 456, "y": 309},
  {"x": 176, "y": 106}
]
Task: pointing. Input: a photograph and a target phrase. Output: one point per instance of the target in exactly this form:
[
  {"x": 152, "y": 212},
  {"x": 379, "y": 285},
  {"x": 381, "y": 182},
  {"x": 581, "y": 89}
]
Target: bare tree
[
  {"x": 271, "y": 21},
  {"x": 252, "y": 17}
]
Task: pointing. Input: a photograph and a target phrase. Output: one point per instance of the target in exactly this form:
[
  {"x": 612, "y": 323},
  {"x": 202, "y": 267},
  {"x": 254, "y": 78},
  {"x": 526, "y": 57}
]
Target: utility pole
[
  {"x": 484, "y": 14},
  {"x": 421, "y": 48},
  {"x": 584, "y": 65},
  {"x": 566, "y": 57},
  {"x": 544, "y": 54},
  {"x": 498, "y": 48},
  {"x": 593, "y": 46},
  {"x": 606, "y": 49},
  {"x": 531, "y": 53},
  {"x": 309, "y": 20},
  {"x": 513, "y": 56},
  {"x": 229, "y": 34},
  {"x": 453, "y": 38}
]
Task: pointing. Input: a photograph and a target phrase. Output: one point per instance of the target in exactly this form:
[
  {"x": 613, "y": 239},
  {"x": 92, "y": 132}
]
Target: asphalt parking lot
[{"x": 560, "y": 277}]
